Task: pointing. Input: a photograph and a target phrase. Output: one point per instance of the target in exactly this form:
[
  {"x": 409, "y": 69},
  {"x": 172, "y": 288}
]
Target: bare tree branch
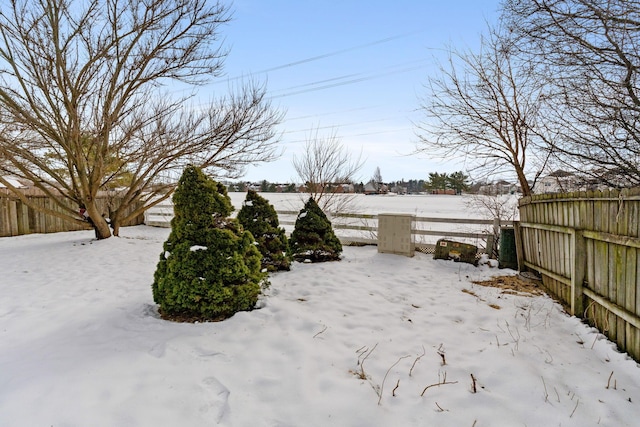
[
  {"x": 484, "y": 108},
  {"x": 323, "y": 167},
  {"x": 83, "y": 110},
  {"x": 589, "y": 52}
]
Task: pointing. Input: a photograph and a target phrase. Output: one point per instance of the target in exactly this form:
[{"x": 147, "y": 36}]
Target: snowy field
[
  {"x": 440, "y": 206},
  {"x": 432, "y": 206},
  {"x": 372, "y": 340}
]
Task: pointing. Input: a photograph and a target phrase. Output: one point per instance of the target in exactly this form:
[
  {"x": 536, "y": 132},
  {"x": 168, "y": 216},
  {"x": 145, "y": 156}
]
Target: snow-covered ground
[
  {"x": 440, "y": 206},
  {"x": 360, "y": 342}
]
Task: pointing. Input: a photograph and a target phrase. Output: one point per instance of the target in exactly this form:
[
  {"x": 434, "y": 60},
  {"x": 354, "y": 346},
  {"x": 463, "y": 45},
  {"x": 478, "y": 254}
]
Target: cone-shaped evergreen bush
[
  {"x": 260, "y": 218},
  {"x": 210, "y": 267},
  {"x": 313, "y": 238}
]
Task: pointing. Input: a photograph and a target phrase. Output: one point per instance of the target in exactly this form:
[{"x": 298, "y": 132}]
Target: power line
[
  {"x": 346, "y": 82},
  {"x": 327, "y": 55}
]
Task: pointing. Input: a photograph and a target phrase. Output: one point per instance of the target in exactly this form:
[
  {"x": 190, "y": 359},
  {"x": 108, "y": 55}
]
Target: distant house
[
  {"x": 449, "y": 191},
  {"x": 557, "y": 182},
  {"x": 330, "y": 188},
  {"x": 399, "y": 189},
  {"x": 498, "y": 188},
  {"x": 370, "y": 188}
]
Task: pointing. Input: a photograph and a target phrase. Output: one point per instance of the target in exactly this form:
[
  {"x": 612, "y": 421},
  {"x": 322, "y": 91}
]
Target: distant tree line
[{"x": 456, "y": 181}]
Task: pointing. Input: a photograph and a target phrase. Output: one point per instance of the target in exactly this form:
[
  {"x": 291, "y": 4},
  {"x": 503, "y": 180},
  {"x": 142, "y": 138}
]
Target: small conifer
[
  {"x": 313, "y": 238},
  {"x": 260, "y": 218},
  {"x": 209, "y": 268}
]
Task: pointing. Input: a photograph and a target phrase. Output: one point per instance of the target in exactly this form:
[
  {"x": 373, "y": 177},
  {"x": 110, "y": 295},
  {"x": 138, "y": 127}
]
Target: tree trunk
[
  {"x": 524, "y": 184},
  {"x": 98, "y": 222},
  {"x": 115, "y": 225},
  {"x": 102, "y": 228}
]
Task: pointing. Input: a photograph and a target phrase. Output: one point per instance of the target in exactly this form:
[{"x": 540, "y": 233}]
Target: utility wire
[
  {"x": 346, "y": 82},
  {"x": 327, "y": 55}
]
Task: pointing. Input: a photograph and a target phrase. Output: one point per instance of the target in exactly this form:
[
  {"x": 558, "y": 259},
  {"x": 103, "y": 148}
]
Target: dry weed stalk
[
  {"x": 441, "y": 381},
  {"x": 416, "y": 361},
  {"x": 364, "y": 351},
  {"x": 516, "y": 337},
  {"x": 440, "y": 408},
  {"x": 393, "y": 392},
  {"x": 385, "y": 377},
  {"x": 615, "y": 383},
  {"x": 325, "y": 328},
  {"x": 441, "y": 354},
  {"x": 474, "y": 388},
  {"x": 574, "y": 409}
]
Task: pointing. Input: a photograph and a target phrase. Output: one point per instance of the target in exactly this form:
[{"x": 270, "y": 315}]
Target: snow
[
  {"x": 441, "y": 206},
  {"x": 13, "y": 181},
  {"x": 82, "y": 345}
]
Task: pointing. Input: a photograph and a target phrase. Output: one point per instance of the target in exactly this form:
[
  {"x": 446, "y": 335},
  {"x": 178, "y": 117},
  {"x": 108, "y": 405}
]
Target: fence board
[
  {"x": 609, "y": 263},
  {"x": 16, "y": 218}
]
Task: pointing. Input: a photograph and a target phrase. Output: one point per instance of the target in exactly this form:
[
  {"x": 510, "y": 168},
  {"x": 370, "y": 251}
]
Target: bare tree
[
  {"x": 590, "y": 53},
  {"x": 484, "y": 108},
  {"x": 324, "y": 167},
  {"x": 83, "y": 110},
  {"x": 376, "y": 179}
]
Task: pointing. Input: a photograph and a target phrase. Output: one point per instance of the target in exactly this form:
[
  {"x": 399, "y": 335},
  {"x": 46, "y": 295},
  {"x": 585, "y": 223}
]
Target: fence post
[
  {"x": 519, "y": 246},
  {"x": 578, "y": 270},
  {"x": 496, "y": 238}
]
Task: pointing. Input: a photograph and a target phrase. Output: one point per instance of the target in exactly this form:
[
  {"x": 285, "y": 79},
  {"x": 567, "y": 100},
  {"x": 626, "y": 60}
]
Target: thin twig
[
  {"x": 574, "y": 409},
  {"x": 325, "y": 328},
  {"x": 546, "y": 394},
  {"x": 361, "y": 362},
  {"x": 416, "y": 361},
  {"x": 444, "y": 361},
  {"x": 393, "y": 392},
  {"x": 443, "y": 382},
  {"x": 609, "y": 380},
  {"x": 385, "y": 377},
  {"x": 440, "y": 408},
  {"x": 474, "y": 389}
]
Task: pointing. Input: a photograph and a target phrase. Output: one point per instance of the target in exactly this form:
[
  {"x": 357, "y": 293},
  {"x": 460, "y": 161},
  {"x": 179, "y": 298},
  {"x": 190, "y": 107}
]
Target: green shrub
[
  {"x": 313, "y": 238},
  {"x": 260, "y": 218},
  {"x": 210, "y": 267}
]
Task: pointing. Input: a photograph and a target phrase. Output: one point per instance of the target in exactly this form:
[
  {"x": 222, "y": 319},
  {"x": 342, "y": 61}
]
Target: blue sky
[{"x": 353, "y": 68}]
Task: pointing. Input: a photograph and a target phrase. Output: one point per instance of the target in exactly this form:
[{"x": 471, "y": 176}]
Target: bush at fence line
[
  {"x": 260, "y": 218},
  {"x": 210, "y": 267},
  {"x": 313, "y": 238}
]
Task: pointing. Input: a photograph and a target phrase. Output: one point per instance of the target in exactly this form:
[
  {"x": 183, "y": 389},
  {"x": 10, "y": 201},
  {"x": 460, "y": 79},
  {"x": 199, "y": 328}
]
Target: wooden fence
[
  {"x": 586, "y": 246},
  {"x": 16, "y": 218},
  {"x": 358, "y": 228}
]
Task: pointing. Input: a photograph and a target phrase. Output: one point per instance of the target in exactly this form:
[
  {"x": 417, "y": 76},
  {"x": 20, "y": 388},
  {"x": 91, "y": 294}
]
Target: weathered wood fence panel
[
  {"x": 16, "y": 218},
  {"x": 586, "y": 246}
]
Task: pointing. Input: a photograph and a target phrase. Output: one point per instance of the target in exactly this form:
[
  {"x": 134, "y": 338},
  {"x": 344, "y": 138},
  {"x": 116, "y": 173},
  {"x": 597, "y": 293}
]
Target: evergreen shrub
[
  {"x": 260, "y": 218},
  {"x": 210, "y": 267},
  {"x": 313, "y": 238}
]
